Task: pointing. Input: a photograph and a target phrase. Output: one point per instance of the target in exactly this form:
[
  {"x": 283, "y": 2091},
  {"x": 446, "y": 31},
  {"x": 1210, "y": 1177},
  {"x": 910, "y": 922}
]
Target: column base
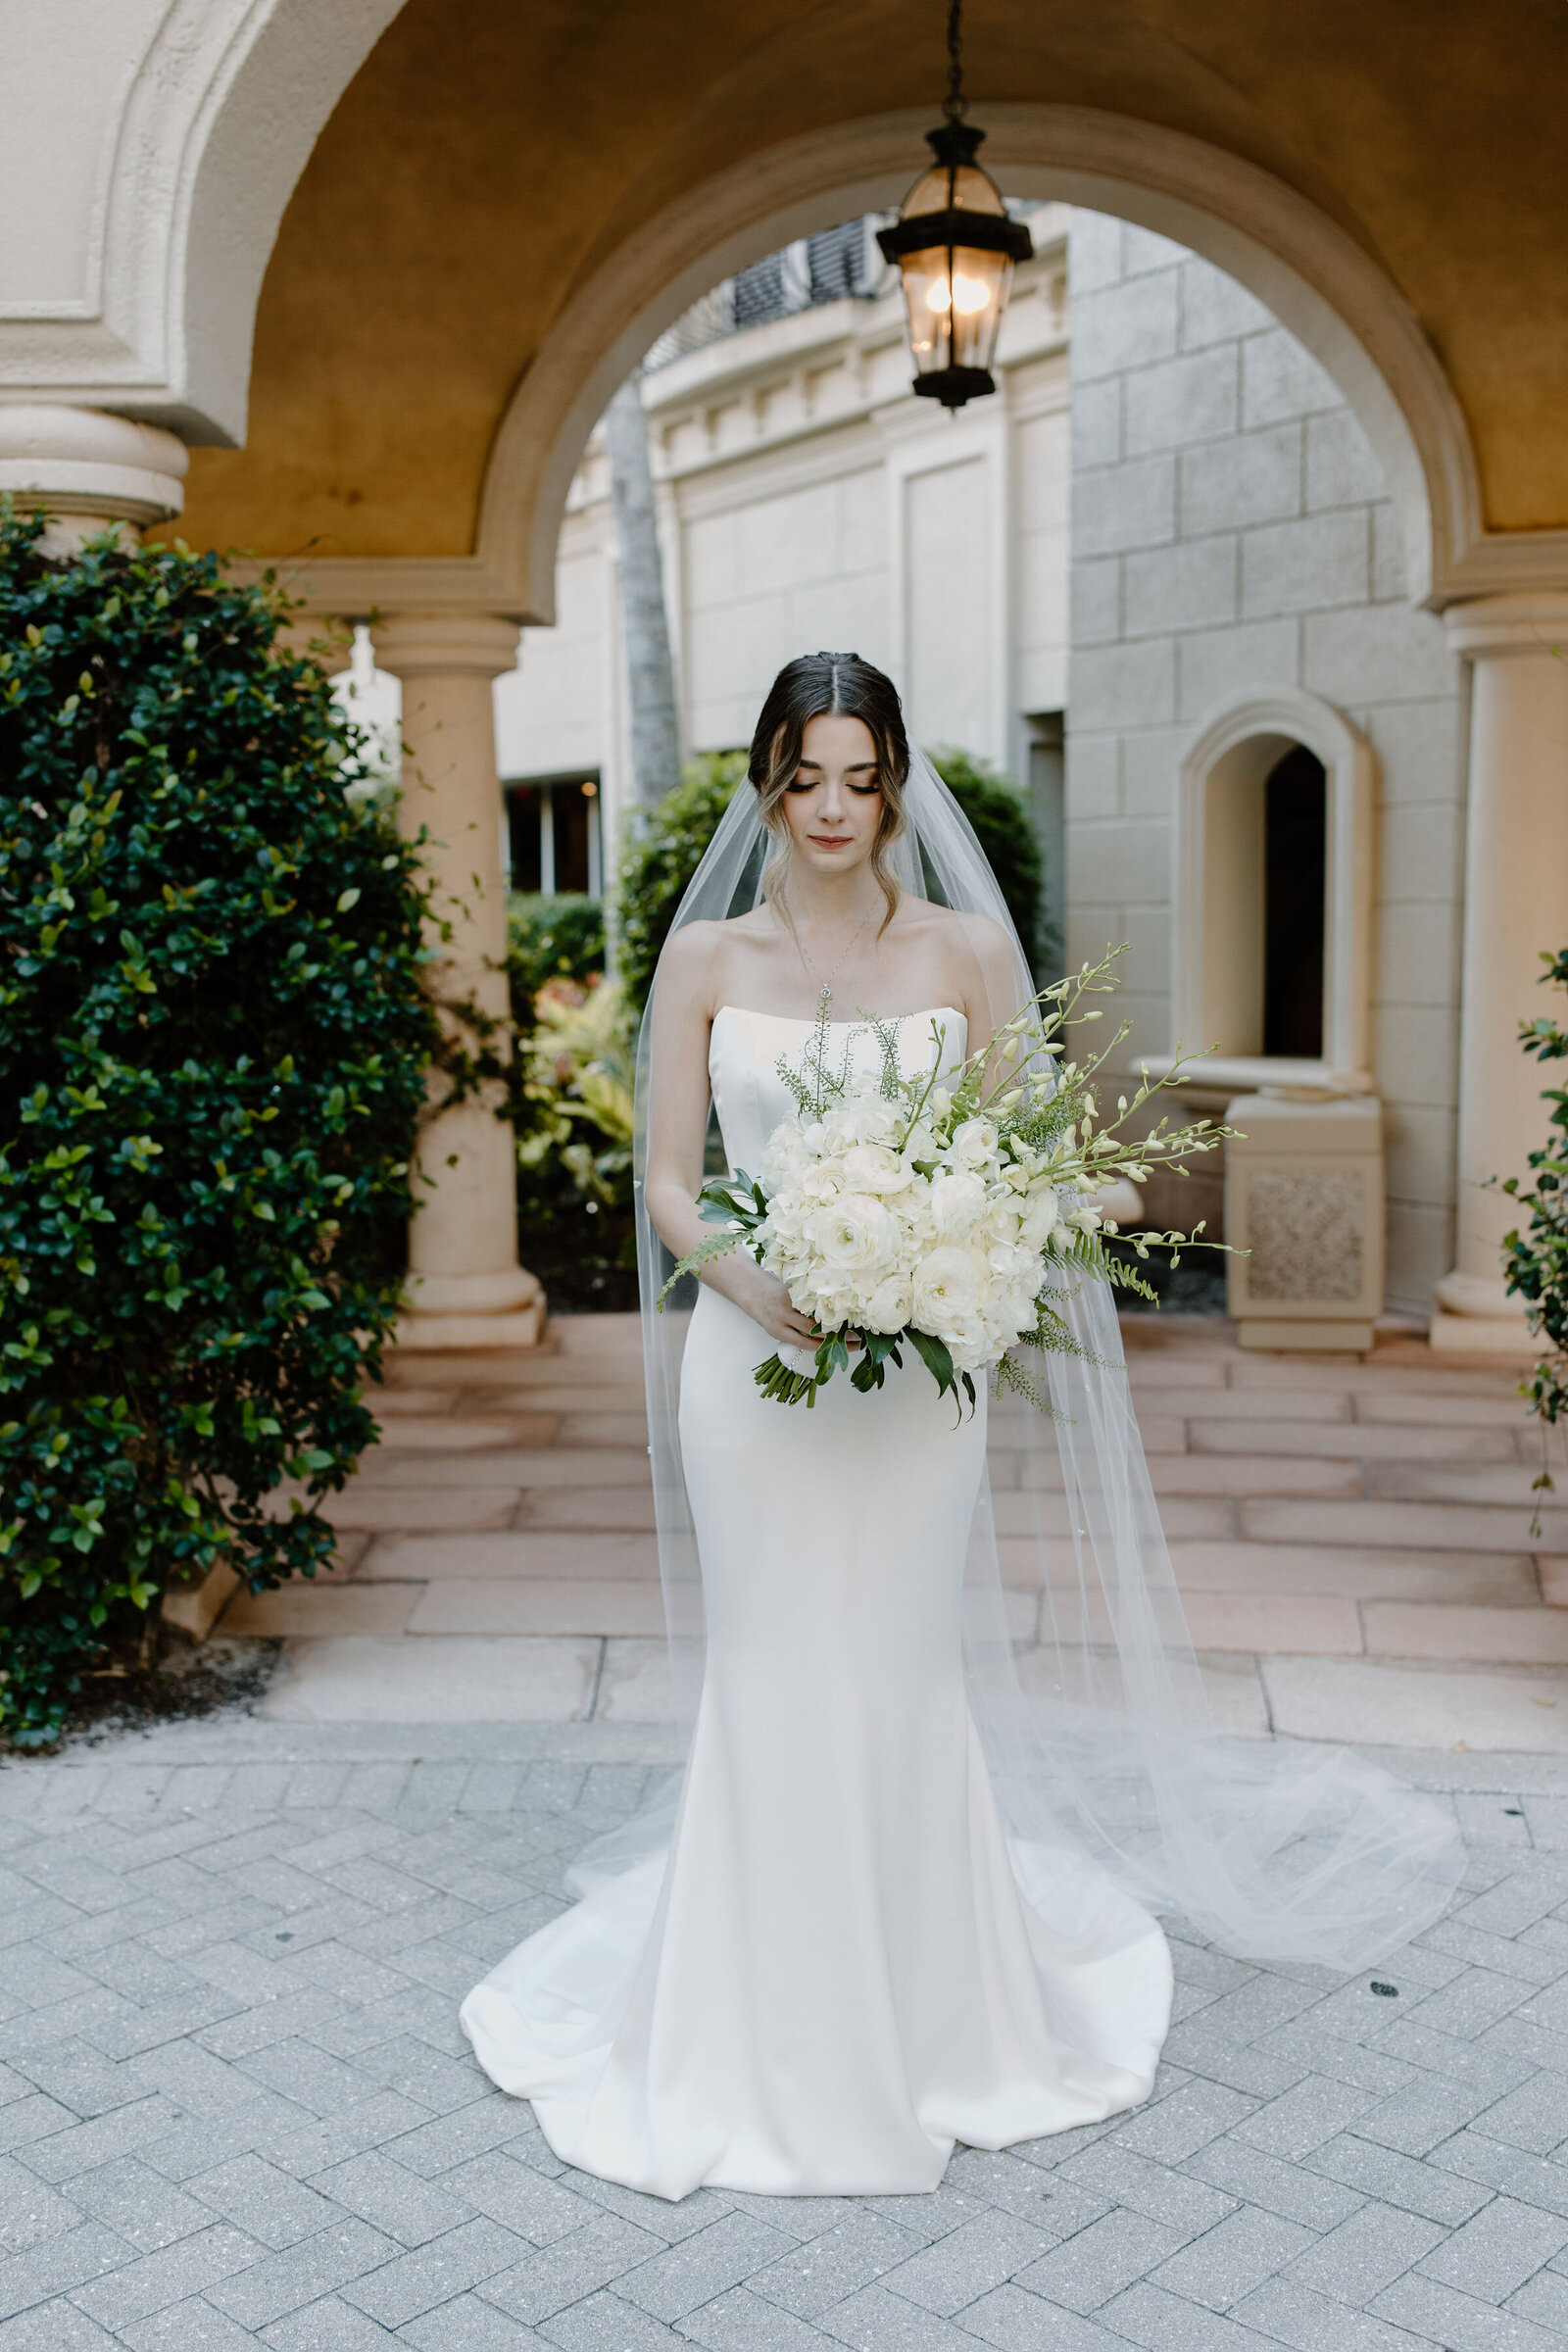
[
  {"x": 1479, "y": 1317},
  {"x": 1481, "y": 1334},
  {"x": 456, "y": 1312},
  {"x": 1289, "y": 1335}
]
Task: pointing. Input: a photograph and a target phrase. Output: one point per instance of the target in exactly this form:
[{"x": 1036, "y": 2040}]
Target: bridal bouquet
[{"x": 943, "y": 1211}]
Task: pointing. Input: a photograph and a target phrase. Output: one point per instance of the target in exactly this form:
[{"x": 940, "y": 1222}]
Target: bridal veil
[{"x": 1097, "y": 1734}]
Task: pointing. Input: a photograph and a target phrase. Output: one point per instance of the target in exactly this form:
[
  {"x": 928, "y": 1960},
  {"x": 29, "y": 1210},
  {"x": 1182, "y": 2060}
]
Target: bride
[{"x": 902, "y": 1894}]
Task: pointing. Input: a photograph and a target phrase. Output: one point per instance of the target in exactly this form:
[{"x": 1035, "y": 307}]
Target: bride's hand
[{"x": 767, "y": 1302}]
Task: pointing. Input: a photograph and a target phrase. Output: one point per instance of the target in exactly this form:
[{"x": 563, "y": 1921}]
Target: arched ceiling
[{"x": 489, "y": 156}]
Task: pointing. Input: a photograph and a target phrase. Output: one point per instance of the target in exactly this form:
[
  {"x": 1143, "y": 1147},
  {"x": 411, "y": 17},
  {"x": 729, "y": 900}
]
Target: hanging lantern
[{"x": 956, "y": 247}]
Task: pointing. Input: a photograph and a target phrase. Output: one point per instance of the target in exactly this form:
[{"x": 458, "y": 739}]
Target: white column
[
  {"x": 1515, "y": 908},
  {"x": 89, "y": 471},
  {"x": 466, "y": 1287}
]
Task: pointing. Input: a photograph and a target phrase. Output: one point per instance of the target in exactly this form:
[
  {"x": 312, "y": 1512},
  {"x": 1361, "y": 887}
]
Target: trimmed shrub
[
  {"x": 213, "y": 1049},
  {"x": 663, "y": 852},
  {"x": 996, "y": 810},
  {"x": 549, "y": 939}
]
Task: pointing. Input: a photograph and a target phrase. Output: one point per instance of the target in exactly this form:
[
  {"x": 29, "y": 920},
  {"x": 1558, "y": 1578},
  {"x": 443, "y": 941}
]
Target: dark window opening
[
  {"x": 1295, "y": 862},
  {"x": 553, "y": 835}
]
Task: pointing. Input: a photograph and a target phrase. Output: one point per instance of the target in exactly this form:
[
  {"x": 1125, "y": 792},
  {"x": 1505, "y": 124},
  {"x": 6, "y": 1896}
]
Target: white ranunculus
[
  {"x": 853, "y": 1234},
  {"x": 873, "y": 1168},
  {"x": 946, "y": 1290},
  {"x": 956, "y": 1202},
  {"x": 890, "y": 1305},
  {"x": 973, "y": 1143},
  {"x": 823, "y": 1180}
]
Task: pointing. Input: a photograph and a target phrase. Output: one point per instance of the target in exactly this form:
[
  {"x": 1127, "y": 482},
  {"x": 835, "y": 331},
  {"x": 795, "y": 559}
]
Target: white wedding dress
[{"x": 841, "y": 1966}]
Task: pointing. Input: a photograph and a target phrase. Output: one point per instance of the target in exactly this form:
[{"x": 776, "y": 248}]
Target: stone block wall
[{"x": 1231, "y": 532}]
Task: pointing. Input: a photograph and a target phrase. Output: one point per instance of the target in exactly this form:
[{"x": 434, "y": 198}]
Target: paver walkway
[
  {"x": 238, "y": 2112},
  {"x": 1353, "y": 1540}
]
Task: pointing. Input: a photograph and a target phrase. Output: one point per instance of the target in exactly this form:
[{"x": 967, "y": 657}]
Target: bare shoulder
[
  {"x": 689, "y": 958},
  {"x": 956, "y": 930}
]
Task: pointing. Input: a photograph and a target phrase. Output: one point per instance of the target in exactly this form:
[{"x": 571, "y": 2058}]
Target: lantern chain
[{"x": 955, "y": 105}]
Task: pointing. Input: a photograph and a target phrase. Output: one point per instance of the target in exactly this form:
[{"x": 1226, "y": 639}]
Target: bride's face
[{"x": 834, "y": 805}]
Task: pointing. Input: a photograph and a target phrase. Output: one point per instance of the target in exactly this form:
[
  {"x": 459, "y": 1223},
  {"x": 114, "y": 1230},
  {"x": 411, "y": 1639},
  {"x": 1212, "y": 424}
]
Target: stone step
[
  {"x": 1357, "y": 1572},
  {"x": 460, "y": 1433},
  {"x": 535, "y": 1605},
  {"x": 1357, "y": 1441},
  {"x": 549, "y": 1466},
  {"x": 1465, "y": 1635},
  {"x": 517, "y": 1555},
  {"x": 1434, "y": 1482},
  {"x": 1425, "y": 1527},
  {"x": 1493, "y": 1709}
]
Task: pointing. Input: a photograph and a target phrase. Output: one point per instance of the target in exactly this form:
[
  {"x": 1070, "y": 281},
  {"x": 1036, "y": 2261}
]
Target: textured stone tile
[
  {"x": 138, "y": 2204},
  {"x": 1366, "y": 2253},
  {"x": 604, "y": 2323},
  {"x": 1232, "y": 2258},
  {"x": 1015, "y": 2321},
  {"x": 433, "y": 2274},
  {"x": 55, "y": 2327},
  {"x": 743, "y": 2321},
  {"x": 133, "y": 2289},
  {"x": 1284, "y": 2312},
  {"x": 875, "y": 2320},
  {"x": 1149, "y": 2316},
  {"x": 835, "y": 2264},
  {"x": 301, "y": 2273},
  {"x": 189, "y": 2327},
  {"x": 1440, "y": 2315},
  {"x": 1100, "y": 2261},
  {"x": 679, "y": 2278},
  {"x": 556, "y": 2276},
  {"x": 330, "y": 2326},
  {"x": 1494, "y": 2254},
  {"x": 1398, "y": 2179}
]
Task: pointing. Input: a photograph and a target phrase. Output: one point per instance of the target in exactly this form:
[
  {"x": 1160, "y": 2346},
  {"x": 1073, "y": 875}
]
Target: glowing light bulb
[
  {"x": 969, "y": 294},
  {"x": 940, "y": 297}
]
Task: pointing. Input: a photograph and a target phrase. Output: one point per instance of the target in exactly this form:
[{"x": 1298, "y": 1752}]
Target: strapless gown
[{"x": 835, "y": 1972}]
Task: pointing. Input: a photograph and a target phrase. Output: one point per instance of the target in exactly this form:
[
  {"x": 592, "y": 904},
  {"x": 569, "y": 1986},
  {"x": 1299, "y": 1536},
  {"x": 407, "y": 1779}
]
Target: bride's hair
[{"x": 840, "y": 686}]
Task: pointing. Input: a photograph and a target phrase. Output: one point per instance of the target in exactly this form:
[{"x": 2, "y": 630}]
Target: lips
[{"x": 831, "y": 841}]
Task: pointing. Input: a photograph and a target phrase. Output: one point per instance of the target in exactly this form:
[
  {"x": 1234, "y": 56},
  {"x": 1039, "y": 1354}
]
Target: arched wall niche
[
  {"x": 1321, "y": 285},
  {"x": 1219, "y": 922}
]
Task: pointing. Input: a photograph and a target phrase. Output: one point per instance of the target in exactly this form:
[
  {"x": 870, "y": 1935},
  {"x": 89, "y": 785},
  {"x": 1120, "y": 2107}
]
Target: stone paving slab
[{"x": 235, "y": 2110}]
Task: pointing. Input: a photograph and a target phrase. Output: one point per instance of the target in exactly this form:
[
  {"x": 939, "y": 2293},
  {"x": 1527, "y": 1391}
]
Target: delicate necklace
[{"x": 825, "y": 995}]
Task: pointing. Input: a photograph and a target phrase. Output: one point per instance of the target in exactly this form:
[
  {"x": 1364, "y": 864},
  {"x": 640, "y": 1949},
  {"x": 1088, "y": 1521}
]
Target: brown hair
[{"x": 837, "y": 685}]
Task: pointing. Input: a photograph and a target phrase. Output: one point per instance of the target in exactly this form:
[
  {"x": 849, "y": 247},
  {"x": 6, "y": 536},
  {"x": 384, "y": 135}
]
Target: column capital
[
  {"x": 1530, "y": 620},
  {"x": 88, "y": 470},
  {"x": 445, "y": 645}
]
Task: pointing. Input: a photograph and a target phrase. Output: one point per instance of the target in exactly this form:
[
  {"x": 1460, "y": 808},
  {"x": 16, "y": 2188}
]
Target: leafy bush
[
  {"x": 213, "y": 1048},
  {"x": 1535, "y": 1262},
  {"x": 551, "y": 939},
  {"x": 663, "y": 852},
  {"x": 996, "y": 810}
]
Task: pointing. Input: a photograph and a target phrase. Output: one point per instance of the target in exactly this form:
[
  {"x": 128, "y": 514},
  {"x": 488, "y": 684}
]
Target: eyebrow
[{"x": 860, "y": 768}]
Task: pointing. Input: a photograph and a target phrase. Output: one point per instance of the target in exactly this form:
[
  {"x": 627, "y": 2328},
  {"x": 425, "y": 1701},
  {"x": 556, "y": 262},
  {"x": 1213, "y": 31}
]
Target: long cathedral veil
[{"x": 1098, "y": 1731}]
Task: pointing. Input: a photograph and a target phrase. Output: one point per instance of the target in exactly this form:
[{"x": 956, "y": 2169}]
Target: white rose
[
  {"x": 973, "y": 1143},
  {"x": 947, "y": 1290},
  {"x": 873, "y": 1168},
  {"x": 853, "y": 1234},
  {"x": 956, "y": 1201}
]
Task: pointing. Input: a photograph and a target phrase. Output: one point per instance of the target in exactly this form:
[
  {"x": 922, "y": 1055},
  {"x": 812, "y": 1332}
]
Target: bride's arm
[{"x": 677, "y": 1129}]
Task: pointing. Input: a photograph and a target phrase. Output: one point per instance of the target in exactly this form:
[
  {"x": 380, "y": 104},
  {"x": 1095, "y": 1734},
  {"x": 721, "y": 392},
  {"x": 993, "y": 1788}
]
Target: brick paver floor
[{"x": 237, "y": 2110}]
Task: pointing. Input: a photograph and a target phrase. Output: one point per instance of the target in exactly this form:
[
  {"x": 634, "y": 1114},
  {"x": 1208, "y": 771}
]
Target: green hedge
[
  {"x": 1536, "y": 1256},
  {"x": 213, "y": 1050},
  {"x": 662, "y": 853},
  {"x": 994, "y": 808}
]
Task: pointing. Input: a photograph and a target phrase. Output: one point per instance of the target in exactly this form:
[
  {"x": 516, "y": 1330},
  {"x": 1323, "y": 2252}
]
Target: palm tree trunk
[{"x": 649, "y": 673}]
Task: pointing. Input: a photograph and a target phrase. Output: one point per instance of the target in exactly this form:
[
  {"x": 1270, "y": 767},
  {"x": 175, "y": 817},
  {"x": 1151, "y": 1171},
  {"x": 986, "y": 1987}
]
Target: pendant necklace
[{"x": 825, "y": 993}]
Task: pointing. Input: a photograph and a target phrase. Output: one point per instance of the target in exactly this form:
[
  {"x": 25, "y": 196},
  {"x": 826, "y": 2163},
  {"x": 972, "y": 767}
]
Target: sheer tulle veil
[{"x": 1089, "y": 1700}]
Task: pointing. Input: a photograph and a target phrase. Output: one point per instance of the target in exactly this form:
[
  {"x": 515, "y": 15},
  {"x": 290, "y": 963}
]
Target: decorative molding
[
  {"x": 1232, "y": 755},
  {"x": 1330, "y": 293},
  {"x": 219, "y": 113}
]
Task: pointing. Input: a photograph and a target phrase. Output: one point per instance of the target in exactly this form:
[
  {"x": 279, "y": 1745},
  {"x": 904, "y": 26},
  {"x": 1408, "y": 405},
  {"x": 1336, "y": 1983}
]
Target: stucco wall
[{"x": 1231, "y": 532}]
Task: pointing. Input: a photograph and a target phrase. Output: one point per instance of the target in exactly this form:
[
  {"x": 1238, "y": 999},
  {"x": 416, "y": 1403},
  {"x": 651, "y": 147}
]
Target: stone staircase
[{"x": 1352, "y": 1537}]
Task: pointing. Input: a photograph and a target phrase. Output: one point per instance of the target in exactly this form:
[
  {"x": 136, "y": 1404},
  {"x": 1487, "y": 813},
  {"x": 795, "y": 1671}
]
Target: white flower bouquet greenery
[{"x": 946, "y": 1214}]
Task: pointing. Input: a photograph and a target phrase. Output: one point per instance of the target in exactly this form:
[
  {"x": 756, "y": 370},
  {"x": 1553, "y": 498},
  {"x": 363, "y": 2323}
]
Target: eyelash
[{"x": 865, "y": 791}]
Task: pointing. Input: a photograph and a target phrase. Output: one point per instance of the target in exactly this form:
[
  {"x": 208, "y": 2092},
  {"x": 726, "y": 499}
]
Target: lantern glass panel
[
  {"x": 963, "y": 186},
  {"x": 955, "y": 297}
]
